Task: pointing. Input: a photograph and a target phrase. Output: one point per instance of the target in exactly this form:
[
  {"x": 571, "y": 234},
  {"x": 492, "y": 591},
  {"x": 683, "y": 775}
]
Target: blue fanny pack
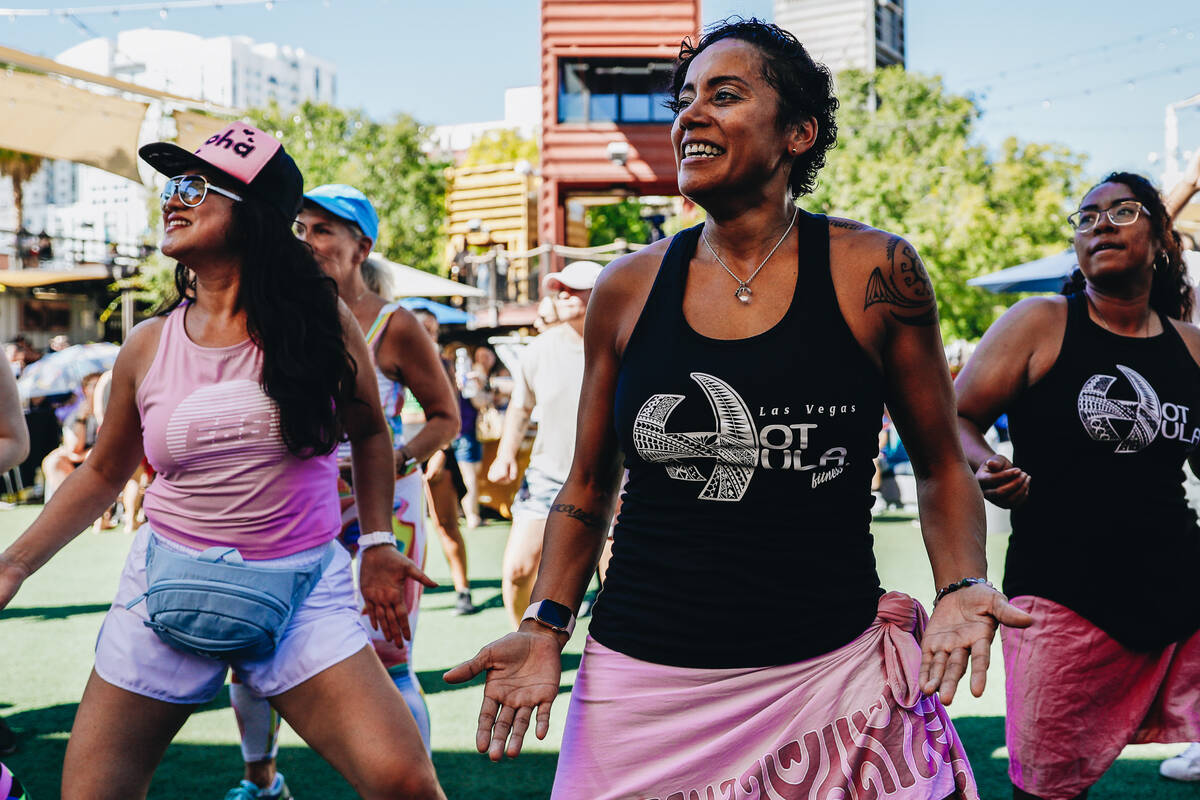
[{"x": 214, "y": 604}]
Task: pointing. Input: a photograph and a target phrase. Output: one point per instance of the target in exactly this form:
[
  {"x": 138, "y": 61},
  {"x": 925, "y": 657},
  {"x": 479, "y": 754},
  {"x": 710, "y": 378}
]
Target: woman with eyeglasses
[
  {"x": 1102, "y": 392},
  {"x": 238, "y": 396}
]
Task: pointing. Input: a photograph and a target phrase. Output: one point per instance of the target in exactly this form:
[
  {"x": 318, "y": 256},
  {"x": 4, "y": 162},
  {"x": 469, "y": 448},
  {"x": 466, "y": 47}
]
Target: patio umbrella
[
  {"x": 413, "y": 282},
  {"x": 1051, "y": 273},
  {"x": 444, "y": 314},
  {"x": 63, "y": 372}
]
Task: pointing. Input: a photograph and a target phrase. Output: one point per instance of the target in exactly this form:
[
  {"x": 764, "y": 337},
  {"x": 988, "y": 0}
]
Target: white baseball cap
[{"x": 578, "y": 275}]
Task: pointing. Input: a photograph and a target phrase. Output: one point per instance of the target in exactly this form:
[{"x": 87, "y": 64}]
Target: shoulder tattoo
[
  {"x": 903, "y": 285},
  {"x": 847, "y": 224},
  {"x": 587, "y": 518}
]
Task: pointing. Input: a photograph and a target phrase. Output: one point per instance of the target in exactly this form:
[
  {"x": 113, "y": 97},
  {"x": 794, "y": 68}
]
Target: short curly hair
[{"x": 804, "y": 86}]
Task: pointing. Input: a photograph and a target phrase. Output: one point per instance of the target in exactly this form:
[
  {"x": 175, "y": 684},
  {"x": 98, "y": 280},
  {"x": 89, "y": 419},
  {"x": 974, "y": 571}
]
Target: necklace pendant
[{"x": 743, "y": 293}]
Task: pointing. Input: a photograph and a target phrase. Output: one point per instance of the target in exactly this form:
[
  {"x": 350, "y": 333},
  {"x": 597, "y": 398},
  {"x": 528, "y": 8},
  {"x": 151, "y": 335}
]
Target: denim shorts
[
  {"x": 536, "y": 495},
  {"x": 468, "y": 450}
]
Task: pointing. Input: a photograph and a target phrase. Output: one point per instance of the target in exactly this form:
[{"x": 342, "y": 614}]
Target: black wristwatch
[{"x": 554, "y": 616}]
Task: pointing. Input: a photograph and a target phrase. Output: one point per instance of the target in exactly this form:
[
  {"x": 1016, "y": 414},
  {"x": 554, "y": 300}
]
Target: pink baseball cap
[{"x": 254, "y": 160}]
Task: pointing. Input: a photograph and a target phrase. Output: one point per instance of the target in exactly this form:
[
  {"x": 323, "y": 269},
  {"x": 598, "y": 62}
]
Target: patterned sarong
[{"x": 849, "y": 724}]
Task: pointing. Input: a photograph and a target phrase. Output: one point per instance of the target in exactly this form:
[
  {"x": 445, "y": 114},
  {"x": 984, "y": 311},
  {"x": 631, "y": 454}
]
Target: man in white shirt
[{"x": 550, "y": 377}]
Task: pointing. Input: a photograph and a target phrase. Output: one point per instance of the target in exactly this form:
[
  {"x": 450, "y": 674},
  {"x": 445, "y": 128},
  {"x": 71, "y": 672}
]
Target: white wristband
[{"x": 376, "y": 538}]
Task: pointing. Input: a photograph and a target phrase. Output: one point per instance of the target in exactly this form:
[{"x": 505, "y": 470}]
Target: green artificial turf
[{"x": 47, "y": 635}]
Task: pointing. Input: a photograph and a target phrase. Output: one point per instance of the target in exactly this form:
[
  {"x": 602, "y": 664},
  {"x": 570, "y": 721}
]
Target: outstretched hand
[
  {"x": 963, "y": 625},
  {"x": 1002, "y": 483},
  {"x": 523, "y": 672},
  {"x": 381, "y": 581}
]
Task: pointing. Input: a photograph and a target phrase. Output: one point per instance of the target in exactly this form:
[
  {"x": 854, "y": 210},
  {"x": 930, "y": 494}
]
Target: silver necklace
[{"x": 743, "y": 290}]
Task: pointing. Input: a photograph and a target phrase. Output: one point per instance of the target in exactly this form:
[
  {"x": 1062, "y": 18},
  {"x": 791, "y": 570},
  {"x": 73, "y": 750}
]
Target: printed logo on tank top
[
  {"x": 231, "y": 424},
  {"x": 1132, "y": 424},
  {"x": 738, "y": 448}
]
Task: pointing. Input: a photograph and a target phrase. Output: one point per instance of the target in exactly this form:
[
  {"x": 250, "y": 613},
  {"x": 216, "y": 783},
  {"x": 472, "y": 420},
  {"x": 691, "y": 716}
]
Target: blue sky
[{"x": 1094, "y": 76}]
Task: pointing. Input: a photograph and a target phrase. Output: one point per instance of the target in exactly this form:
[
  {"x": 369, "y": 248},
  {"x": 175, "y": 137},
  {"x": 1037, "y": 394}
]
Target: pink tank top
[{"x": 225, "y": 477}]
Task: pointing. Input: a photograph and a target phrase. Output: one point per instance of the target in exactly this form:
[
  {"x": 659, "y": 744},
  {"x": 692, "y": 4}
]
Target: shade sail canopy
[
  {"x": 32, "y": 278},
  {"x": 49, "y": 118},
  {"x": 412, "y": 282},
  {"x": 86, "y": 121},
  {"x": 1051, "y": 273}
]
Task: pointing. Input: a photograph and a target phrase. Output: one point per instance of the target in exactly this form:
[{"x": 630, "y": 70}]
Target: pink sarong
[
  {"x": 1076, "y": 697},
  {"x": 849, "y": 724}
]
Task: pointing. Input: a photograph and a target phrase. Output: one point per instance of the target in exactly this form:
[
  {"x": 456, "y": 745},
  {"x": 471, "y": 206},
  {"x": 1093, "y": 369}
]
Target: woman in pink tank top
[{"x": 239, "y": 396}]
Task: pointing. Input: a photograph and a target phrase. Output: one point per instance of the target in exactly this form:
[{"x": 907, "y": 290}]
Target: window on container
[{"x": 613, "y": 90}]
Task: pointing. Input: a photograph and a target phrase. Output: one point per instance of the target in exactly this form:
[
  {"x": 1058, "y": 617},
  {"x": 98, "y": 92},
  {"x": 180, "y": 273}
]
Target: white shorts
[{"x": 324, "y": 631}]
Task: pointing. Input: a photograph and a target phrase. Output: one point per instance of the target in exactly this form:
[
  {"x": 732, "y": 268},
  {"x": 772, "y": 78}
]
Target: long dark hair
[
  {"x": 292, "y": 316},
  {"x": 1170, "y": 292},
  {"x": 804, "y": 86}
]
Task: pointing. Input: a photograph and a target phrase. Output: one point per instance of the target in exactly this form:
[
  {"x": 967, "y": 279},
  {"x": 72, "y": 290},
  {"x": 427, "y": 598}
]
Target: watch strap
[
  {"x": 375, "y": 538},
  {"x": 553, "y": 615}
]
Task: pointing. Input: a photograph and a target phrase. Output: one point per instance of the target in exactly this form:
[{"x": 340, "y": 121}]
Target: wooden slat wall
[{"x": 575, "y": 156}]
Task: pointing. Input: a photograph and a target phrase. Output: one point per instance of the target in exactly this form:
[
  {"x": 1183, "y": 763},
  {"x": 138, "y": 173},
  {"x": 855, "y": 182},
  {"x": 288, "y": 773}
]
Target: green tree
[
  {"x": 620, "y": 220},
  {"x": 19, "y": 167},
  {"x": 387, "y": 161},
  {"x": 911, "y": 166},
  {"x": 500, "y": 147}
]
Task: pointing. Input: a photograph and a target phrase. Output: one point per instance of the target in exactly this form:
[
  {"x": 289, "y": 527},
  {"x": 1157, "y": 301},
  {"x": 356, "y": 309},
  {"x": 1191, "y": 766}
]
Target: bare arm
[
  {"x": 516, "y": 422},
  {"x": 1182, "y": 192},
  {"x": 1019, "y": 348},
  {"x": 408, "y": 354},
  {"x": 383, "y": 568},
  {"x": 899, "y": 304},
  {"x": 14, "y": 435},
  {"x": 92, "y": 486}
]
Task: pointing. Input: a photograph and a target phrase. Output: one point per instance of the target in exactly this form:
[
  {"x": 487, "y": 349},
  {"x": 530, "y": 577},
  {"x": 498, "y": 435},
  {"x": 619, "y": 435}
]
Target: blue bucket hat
[{"x": 349, "y": 204}]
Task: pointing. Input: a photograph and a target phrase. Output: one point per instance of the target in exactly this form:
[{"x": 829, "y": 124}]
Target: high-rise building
[
  {"x": 87, "y": 204},
  {"x": 845, "y": 34}
]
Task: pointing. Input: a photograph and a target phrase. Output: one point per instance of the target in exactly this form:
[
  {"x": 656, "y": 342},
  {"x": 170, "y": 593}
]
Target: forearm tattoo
[
  {"x": 905, "y": 287},
  {"x": 580, "y": 515}
]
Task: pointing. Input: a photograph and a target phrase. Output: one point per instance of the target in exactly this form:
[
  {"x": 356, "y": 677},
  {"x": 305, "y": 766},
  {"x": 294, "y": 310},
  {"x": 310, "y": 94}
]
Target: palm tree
[{"x": 20, "y": 167}]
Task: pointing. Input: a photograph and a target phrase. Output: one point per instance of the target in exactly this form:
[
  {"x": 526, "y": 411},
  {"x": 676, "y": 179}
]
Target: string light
[{"x": 116, "y": 9}]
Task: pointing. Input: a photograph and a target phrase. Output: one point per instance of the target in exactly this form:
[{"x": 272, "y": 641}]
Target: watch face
[{"x": 556, "y": 615}]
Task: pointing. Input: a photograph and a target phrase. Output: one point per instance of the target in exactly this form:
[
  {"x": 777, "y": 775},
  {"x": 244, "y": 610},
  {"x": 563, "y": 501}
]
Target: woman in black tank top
[
  {"x": 739, "y": 371},
  {"x": 1102, "y": 391}
]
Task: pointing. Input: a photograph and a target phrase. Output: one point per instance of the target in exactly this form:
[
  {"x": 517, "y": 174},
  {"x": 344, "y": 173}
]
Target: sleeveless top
[
  {"x": 743, "y": 538},
  {"x": 391, "y": 393},
  {"x": 1106, "y": 530},
  {"x": 225, "y": 476}
]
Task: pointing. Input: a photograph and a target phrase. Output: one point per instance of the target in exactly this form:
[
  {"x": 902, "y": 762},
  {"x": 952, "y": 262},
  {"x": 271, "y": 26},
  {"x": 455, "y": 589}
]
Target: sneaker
[
  {"x": 1183, "y": 767},
  {"x": 246, "y": 790},
  {"x": 464, "y": 606},
  {"x": 8, "y": 739}
]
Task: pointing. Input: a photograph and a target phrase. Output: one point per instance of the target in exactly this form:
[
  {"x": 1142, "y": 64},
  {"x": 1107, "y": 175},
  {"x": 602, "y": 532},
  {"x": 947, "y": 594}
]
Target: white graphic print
[
  {"x": 211, "y": 419},
  {"x": 733, "y": 446},
  {"x": 1139, "y": 420}
]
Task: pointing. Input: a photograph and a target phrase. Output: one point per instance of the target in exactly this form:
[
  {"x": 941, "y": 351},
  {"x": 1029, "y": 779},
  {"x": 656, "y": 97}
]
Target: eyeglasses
[
  {"x": 1124, "y": 213},
  {"x": 192, "y": 190}
]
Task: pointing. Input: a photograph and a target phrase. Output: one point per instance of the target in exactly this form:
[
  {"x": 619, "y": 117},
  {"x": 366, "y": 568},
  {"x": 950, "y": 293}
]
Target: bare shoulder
[
  {"x": 885, "y": 269},
  {"x": 620, "y": 295},
  {"x": 1034, "y": 317},
  {"x": 631, "y": 274},
  {"x": 1191, "y": 337},
  {"x": 143, "y": 338}
]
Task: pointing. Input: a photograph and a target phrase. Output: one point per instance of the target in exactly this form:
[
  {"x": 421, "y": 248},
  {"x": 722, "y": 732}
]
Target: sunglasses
[{"x": 192, "y": 189}]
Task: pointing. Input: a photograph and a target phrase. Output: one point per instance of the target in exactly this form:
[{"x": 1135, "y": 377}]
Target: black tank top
[
  {"x": 743, "y": 538},
  {"x": 1106, "y": 530}
]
